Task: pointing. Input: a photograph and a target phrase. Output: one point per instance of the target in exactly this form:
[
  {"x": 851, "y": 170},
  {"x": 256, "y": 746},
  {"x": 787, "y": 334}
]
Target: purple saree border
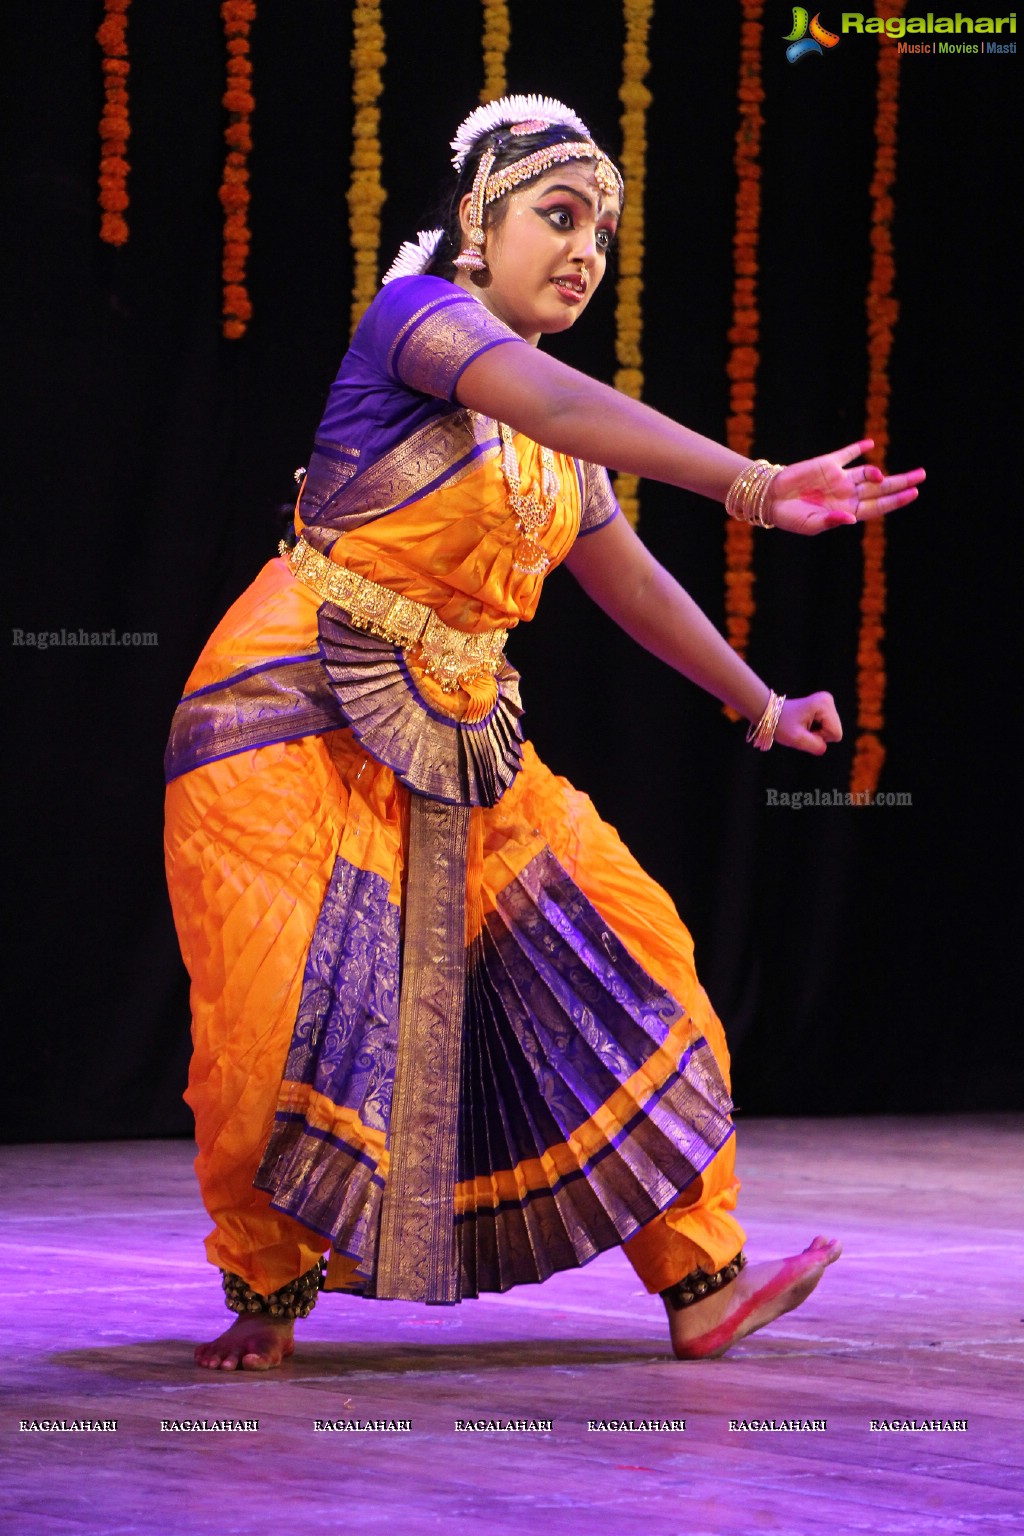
[
  {"x": 336, "y": 451},
  {"x": 246, "y": 673},
  {"x": 443, "y": 478},
  {"x": 311, "y": 727},
  {"x": 237, "y": 714},
  {"x": 547, "y": 1191},
  {"x": 317, "y": 1133}
]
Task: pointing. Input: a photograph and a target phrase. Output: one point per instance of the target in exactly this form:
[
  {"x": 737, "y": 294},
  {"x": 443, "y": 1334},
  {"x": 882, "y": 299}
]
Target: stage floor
[{"x": 921, "y": 1320}]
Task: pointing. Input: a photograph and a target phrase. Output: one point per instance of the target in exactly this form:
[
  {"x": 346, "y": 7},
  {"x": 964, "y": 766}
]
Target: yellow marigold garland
[
  {"x": 882, "y": 310},
  {"x": 115, "y": 127},
  {"x": 635, "y": 98},
  {"x": 497, "y": 34},
  {"x": 365, "y": 194},
  {"x": 745, "y": 329},
  {"x": 238, "y": 101}
]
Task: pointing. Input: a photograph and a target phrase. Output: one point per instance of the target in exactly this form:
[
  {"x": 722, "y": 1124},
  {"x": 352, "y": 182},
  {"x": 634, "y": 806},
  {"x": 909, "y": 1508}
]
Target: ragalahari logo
[{"x": 800, "y": 43}]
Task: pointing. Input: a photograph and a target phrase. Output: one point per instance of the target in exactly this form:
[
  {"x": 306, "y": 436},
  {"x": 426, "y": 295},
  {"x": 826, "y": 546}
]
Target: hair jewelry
[
  {"x": 414, "y": 257},
  {"x": 523, "y": 114},
  {"x": 471, "y": 257}
]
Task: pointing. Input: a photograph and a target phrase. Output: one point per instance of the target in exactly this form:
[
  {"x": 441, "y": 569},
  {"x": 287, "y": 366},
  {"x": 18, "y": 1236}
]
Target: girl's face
[{"x": 548, "y": 254}]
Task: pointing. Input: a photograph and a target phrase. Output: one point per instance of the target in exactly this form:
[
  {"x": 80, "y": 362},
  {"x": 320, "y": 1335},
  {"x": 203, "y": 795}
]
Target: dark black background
[{"x": 861, "y": 958}]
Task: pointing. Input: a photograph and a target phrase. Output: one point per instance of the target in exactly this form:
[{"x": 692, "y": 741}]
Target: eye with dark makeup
[{"x": 562, "y": 219}]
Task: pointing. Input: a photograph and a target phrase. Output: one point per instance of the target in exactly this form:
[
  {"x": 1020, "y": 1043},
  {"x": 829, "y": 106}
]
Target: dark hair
[{"x": 508, "y": 148}]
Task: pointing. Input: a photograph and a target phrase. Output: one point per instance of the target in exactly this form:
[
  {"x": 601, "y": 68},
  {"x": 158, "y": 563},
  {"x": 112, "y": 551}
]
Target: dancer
[{"x": 447, "y": 1032}]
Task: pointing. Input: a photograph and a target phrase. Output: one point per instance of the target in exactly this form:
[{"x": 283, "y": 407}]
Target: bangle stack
[
  {"x": 747, "y": 498},
  {"x": 762, "y": 734}
]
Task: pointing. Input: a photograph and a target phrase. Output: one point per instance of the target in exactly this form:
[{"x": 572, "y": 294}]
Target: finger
[
  {"x": 831, "y": 519},
  {"x": 880, "y": 505},
  {"x": 824, "y": 717},
  {"x": 853, "y": 451},
  {"x": 885, "y": 486}
]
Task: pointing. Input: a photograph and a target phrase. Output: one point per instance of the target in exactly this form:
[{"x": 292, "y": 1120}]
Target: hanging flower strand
[
  {"x": 365, "y": 193},
  {"x": 238, "y": 101},
  {"x": 745, "y": 329},
  {"x": 882, "y": 310},
  {"x": 497, "y": 35},
  {"x": 635, "y": 98},
  {"x": 115, "y": 127}
]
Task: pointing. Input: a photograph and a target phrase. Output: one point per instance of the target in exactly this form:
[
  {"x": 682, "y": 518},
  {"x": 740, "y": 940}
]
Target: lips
[{"x": 572, "y": 285}]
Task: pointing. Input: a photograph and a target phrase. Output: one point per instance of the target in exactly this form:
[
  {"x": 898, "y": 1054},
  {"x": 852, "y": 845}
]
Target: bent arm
[
  {"x": 565, "y": 410},
  {"x": 619, "y": 572}
]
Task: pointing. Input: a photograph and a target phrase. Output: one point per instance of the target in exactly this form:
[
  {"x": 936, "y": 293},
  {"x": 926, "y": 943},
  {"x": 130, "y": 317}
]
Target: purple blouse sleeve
[
  {"x": 427, "y": 331},
  {"x": 599, "y": 503}
]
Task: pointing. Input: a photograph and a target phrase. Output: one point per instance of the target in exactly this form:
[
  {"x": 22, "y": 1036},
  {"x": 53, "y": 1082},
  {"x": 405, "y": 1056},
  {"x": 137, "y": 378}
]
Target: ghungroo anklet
[
  {"x": 296, "y": 1299},
  {"x": 698, "y": 1284}
]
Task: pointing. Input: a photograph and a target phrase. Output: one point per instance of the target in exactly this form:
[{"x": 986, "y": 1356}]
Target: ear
[{"x": 464, "y": 221}]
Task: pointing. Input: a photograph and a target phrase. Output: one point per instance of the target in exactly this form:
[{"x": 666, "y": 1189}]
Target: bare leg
[
  {"x": 254, "y": 1342},
  {"x": 758, "y": 1295}
]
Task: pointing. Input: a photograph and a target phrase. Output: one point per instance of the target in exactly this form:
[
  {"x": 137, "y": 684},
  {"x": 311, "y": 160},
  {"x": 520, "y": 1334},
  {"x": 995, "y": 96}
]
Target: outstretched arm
[
  {"x": 565, "y": 410},
  {"x": 624, "y": 579}
]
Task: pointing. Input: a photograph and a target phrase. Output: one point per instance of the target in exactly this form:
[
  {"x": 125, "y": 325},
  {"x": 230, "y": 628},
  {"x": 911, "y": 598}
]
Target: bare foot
[
  {"x": 254, "y": 1342},
  {"x": 758, "y": 1295}
]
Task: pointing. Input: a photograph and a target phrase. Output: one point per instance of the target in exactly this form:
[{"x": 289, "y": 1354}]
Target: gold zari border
[
  {"x": 417, "y": 1258},
  {"x": 450, "y": 656}
]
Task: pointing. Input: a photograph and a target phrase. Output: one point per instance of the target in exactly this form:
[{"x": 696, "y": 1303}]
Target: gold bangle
[
  {"x": 762, "y": 735},
  {"x": 747, "y": 498}
]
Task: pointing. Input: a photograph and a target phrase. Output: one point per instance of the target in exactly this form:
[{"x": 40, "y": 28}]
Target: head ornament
[
  {"x": 414, "y": 256},
  {"x": 521, "y": 115},
  {"x": 539, "y": 112}
]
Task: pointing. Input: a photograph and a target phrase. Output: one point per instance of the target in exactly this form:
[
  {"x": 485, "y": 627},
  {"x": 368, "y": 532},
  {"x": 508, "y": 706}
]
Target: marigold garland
[
  {"x": 365, "y": 194},
  {"x": 882, "y": 310},
  {"x": 115, "y": 127},
  {"x": 745, "y": 329},
  {"x": 635, "y": 98},
  {"x": 497, "y": 35},
  {"x": 238, "y": 101}
]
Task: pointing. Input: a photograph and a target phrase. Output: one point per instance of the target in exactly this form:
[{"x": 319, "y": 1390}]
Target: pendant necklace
[{"x": 532, "y": 512}]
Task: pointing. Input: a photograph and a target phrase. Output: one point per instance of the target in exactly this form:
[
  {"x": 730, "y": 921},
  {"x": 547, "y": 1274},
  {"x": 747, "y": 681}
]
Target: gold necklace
[{"x": 533, "y": 512}]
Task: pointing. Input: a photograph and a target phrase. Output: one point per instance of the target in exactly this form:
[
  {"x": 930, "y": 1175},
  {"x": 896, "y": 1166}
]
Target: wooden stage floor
[{"x": 921, "y": 1320}]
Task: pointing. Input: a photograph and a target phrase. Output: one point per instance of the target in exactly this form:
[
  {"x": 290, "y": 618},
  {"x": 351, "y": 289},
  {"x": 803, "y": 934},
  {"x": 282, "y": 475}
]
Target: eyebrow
[{"x": 582, "y": 197}]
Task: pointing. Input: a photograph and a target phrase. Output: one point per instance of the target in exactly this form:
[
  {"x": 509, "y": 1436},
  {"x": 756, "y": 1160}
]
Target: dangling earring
[{"x": 470, "y": 258}]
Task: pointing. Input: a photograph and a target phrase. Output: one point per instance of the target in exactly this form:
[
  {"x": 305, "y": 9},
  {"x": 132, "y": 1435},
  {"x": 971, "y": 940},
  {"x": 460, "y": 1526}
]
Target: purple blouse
[{"x": 400, "y": 374}]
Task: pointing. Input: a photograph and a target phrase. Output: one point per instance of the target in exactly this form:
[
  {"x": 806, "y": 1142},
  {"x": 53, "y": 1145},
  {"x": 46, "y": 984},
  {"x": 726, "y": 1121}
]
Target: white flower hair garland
[
  {"x": 544, "y": 110},
  {"x": 414, "y": 257}
]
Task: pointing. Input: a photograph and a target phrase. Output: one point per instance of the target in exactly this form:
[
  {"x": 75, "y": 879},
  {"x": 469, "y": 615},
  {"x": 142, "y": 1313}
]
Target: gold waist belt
[{"x": 448, "y": 655}]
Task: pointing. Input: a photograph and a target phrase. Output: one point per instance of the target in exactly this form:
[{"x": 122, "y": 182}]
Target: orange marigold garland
[
  {"x": 882, "y": 310},
  {"x": 115, "y": 127},
  {"x": 238, "y": 101},
  {"x": 635, "y": 98},
  {"x": 365, "y": 194},
  {"x": 497, "y": 35},
  {"x": 744, "y": 331}
]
